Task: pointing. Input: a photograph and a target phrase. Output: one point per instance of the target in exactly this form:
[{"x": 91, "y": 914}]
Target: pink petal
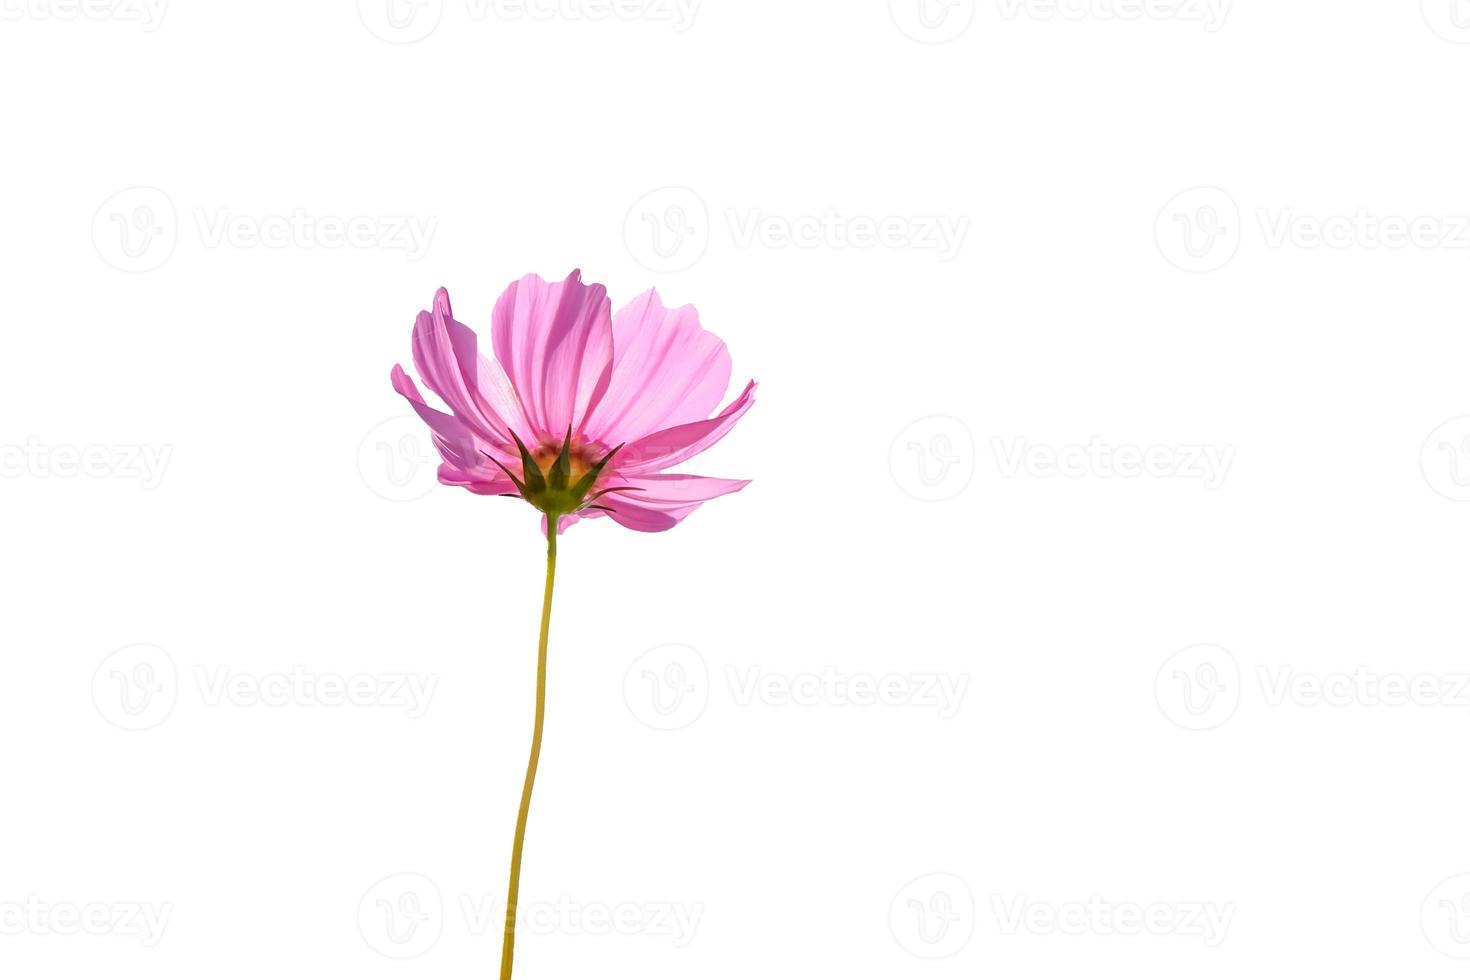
[
  {"x": 554, "y": 341},
  {"x": 667, "y": 370},
  {"x": 461, "y": 448},
  {"x": 665, "y": 499},
  {"x": 663, "y": 491},
  {"x": 671, "y": 446},
  {"x": 446, "y": 353},
  {"x": 482, "y": 481},
  {"x": 642, "y": 519}
]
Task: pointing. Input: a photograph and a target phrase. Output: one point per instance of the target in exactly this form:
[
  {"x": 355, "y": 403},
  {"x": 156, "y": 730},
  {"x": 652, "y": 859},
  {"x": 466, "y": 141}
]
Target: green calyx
[{"x": 564, "y": 484}]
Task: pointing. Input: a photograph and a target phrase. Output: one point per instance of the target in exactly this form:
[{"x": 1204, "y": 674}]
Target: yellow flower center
[{"x": 581, "y": 457}]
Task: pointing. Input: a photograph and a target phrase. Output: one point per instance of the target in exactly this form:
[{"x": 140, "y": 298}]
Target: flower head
[{"x": 580, "y": 412}]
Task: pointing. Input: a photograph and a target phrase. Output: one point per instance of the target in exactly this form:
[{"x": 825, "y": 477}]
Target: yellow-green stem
[{"x": 508, "y": 949}]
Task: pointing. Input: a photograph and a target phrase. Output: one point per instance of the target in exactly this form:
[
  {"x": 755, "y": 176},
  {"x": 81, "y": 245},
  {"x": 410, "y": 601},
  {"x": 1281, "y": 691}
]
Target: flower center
[
  {"x": 581, "y": 458},
  {"x": 559, "y": 478}
]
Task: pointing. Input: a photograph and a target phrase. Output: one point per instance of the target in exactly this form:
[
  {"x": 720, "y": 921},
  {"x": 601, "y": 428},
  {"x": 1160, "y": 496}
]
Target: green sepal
[
  {"x": 532, "y": 477},
  {"x": 561, "y": 467},
  {"x": 521, "y": 487},
  {"x": 608, "y": 490},
  {"x": 590, "y": 477}
]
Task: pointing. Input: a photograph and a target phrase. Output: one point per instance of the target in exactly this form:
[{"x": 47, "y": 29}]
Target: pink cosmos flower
[{"x": 581, "y": 411}]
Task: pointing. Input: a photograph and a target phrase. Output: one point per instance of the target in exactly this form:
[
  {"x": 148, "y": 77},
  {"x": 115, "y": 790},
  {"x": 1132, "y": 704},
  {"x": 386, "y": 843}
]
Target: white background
[{"x": 1186, "y": 226}]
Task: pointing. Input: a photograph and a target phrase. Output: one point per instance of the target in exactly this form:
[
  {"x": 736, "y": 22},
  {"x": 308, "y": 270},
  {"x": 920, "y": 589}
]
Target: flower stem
[{"x": 508, "y": 949}]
